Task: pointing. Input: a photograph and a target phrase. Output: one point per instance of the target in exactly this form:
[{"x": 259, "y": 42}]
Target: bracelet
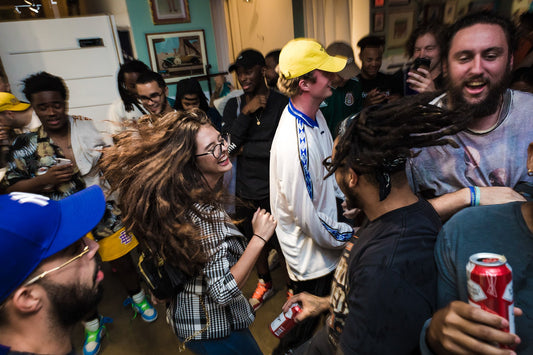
[
  {"x": 475, "y": 195},
  {"x": 472, "y": 195},
  {"x": 478, "y": 195},
  {"x": 258, "y": 236}
]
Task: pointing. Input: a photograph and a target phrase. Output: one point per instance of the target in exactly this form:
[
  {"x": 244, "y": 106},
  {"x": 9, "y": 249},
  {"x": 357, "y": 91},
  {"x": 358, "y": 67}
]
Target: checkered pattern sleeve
[{"x": 226, "y": 306}]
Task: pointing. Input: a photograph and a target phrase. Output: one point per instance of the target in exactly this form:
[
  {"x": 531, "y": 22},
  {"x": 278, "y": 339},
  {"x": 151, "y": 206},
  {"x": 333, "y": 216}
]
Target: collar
[{"x": 308, "y": 121}]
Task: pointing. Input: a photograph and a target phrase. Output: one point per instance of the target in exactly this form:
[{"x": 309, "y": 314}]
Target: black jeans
[{"x": 303, "y": 331}]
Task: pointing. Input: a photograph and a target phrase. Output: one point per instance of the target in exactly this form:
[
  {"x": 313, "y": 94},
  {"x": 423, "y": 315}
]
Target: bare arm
[
  {"x": 264, "y": 225},
  {"x": 450, "y": 203}
]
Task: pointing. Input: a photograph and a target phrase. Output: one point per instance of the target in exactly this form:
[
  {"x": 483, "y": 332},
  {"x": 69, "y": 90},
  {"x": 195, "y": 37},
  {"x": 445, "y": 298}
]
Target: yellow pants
[{"x": 116, "y": 245}]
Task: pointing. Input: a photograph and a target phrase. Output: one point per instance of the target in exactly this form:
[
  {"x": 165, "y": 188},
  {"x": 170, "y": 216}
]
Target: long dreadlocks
[{"x": 378, "y": 141}]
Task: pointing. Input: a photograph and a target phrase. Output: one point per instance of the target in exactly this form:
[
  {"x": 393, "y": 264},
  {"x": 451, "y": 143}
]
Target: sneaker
[
  {"x": 263, "y": 292},
  {"x": 290, "y": 293},
  {"x": 93, "y": 339},
  {"x": 145, "y": 309}
]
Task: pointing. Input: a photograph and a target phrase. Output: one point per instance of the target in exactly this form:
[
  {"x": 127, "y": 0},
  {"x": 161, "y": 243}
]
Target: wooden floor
[{"x": 128, "y": 336}]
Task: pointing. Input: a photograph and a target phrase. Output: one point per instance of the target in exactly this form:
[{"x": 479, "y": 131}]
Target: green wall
[{"x": 141, "y": 24}]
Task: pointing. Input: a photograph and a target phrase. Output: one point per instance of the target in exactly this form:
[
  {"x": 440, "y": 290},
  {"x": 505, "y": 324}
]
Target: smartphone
[
  {"x": 421, "y": 62},
  {"x": 62, "y": 161}
]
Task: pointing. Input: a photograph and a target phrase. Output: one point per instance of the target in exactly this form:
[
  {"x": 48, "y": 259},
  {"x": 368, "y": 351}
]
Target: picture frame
[
  {"x": 433, "y": 13},
  {"x": 177, "y": 55},
  {"x": 399, "y": 27},
  {"x": 398, "y": 2},
  {"x": 449, "y": 12},
  {"x": 378, "y": 24},
  {"x": 170, "y": 11}
]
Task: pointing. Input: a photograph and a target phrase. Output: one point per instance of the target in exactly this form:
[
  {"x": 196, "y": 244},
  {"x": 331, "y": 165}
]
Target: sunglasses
[{"x": 84, "y": 251}]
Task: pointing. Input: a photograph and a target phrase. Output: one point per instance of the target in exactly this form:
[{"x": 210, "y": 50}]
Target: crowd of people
[{"x": 373, "y": 190}]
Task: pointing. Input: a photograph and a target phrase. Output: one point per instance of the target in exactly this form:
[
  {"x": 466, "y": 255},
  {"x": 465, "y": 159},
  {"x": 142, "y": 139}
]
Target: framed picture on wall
[
  {"x": 170, "y": 11},
  {"x": 449, "y": 11},
  {"x": 379, "y": 21},
  {"x": 433, "y": 13},
  {"x": 176, "y": 55},
  {"x": 400, "y": 26}
]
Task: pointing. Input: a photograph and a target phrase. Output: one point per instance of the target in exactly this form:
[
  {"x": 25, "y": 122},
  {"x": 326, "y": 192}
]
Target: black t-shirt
[
  {"x": 384, "y": 82},
  {"x": 386, "y": 283},
  {"x": 254, "y": 134}
]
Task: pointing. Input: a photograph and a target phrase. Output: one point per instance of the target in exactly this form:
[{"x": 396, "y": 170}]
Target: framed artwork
[
  {"x": 400, "y": 26},
  {"x": 379, "y": 21},
  {"x": 449, "y": 11},
  {"x": 398, "y": 2},
  {"x": 482, "y": 5},
  {"x": 176, "y": 55},
  {"x": 170, "y": 11},
  {"x": 433, "y": 13},
  {"x": 379, "y": 3}
]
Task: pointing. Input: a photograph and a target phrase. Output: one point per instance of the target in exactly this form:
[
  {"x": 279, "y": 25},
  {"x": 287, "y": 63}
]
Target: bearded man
[
  {"x": 51, "y": 274},
  {"x": 478, "y": 54}
]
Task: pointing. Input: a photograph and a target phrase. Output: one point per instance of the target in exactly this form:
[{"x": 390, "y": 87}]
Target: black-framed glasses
[
  {"x": 85, "y": 250},
  {"x": 153, "y": 97},
  {"x": 216, "y": 151}
]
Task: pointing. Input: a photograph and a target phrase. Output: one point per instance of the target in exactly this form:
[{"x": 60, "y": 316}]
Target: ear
[
  {"x": 530, "y": 157},
  {"x": 304, "y": 85},
  {"x": 263, "y": 71},
  {"x": 511, "y": 61},
  {"x": 166, "y": 91},
  {"x": 28, "y": 299},
  {"x": 352, "y": 178}
]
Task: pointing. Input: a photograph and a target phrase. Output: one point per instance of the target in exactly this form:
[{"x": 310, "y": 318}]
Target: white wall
[{"x": 262, "y": 25}]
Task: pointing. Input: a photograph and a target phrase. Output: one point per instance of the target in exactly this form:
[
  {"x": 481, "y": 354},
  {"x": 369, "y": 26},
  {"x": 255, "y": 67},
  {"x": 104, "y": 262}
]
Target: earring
[{"x": 529, "y": 172}]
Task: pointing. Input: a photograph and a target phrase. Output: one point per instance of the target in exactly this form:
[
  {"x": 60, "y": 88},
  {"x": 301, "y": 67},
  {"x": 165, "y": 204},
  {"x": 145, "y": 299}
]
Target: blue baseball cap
[{"x": 34, "y": 227}]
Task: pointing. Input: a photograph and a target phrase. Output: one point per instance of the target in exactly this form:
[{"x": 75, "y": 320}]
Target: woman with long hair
[
  {"x": 189, "y": 95},
  {"x": 169, "y": 180}
]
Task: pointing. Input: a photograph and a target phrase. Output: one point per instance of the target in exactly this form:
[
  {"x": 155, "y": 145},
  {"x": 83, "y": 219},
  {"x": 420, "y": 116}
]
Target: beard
[
  {"x": 488, "y": 105},
  {"x": 71, "y": 303}
]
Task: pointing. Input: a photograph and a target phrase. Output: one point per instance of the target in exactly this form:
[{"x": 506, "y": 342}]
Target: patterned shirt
[
  {"x": 35, "y": 151},
  {"x": 226, "y": 306}
]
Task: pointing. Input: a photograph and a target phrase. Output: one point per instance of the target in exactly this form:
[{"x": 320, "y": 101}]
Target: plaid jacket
[{"x": 224, "y": 302}]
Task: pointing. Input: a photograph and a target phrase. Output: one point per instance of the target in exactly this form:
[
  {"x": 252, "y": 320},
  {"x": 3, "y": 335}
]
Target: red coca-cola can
[
  {"x": 285, "y": 321},
  {"x": 490, "y": 286}
]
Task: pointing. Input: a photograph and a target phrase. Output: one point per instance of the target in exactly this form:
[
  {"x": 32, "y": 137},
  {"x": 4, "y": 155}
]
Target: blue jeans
[{"x": 238, "y": 342}]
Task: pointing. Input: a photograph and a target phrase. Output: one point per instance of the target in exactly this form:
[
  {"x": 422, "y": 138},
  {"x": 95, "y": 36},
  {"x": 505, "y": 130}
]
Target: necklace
[{"x": 258, "y": 118}]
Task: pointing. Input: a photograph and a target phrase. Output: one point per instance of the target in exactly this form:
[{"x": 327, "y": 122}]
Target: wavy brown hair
[{"x": 153, "y": 169}]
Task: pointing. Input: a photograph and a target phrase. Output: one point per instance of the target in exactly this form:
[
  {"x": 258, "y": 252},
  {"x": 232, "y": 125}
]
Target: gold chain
[{"x": 198, "y": 332}]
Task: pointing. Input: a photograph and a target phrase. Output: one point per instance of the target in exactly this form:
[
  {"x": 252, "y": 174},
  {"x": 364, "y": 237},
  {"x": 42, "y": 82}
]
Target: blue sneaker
[
  {"x": 93, "y": 339},
  {"x": 145, "y": 309}
]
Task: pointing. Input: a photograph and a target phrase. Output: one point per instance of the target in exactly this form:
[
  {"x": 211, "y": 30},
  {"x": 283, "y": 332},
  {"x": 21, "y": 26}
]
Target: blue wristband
[
  {"x": 472, "y": 195},
  {"x": 478, "y": 195}
]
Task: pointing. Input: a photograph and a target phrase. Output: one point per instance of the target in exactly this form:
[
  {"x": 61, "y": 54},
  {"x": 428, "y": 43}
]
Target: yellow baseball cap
[
  {"x": 302, "y": 55},
  {"x": 8, "y": 102}
]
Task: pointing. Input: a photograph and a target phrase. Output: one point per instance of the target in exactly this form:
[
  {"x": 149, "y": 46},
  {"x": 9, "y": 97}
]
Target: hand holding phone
[{"x": 62, "y": 161}]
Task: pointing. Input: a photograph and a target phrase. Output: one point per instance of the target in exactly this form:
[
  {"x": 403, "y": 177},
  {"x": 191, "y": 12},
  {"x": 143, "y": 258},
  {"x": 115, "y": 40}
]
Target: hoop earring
[{"x": 529, "y": 172}]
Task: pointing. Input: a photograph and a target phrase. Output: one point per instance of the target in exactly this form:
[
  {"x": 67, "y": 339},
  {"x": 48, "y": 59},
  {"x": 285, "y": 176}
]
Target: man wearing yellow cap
[
  {"x": 14, "y": 115},
  {"x": 303, "y": 203}
]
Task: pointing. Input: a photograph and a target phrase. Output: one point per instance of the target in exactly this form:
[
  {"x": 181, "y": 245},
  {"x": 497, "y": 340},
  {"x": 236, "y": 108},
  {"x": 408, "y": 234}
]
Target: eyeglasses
[
  {"x": 84, "y": 251},
  {"x": 216, "y": 151},
  {"x": 153, "y": 97}
]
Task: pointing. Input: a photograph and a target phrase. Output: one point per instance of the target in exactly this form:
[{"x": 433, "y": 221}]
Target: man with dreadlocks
[{"x": 384, "y": 287}]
